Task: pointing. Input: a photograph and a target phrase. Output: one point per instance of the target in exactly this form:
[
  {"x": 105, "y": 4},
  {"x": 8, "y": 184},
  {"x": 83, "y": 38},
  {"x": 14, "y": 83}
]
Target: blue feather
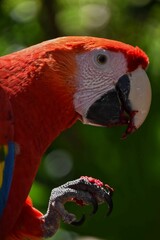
[{"x": 7, "y": 157}]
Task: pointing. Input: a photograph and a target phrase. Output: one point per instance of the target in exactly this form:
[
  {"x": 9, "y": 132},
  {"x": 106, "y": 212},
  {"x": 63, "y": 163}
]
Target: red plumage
[{"x": 40, "y": 83}]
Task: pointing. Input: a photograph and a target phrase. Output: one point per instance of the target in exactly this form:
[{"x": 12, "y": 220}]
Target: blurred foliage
[{"x": 131, "y": 166}]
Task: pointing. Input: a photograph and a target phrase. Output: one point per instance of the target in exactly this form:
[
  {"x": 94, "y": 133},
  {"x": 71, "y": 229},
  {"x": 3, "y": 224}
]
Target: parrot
[{"x": 44, "y": 90}]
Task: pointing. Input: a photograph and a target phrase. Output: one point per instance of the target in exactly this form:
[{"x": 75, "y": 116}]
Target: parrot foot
[{"x": 83, "y": 191}]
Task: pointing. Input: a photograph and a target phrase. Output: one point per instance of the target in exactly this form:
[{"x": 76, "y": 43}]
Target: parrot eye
[{"x": 101, "y": 59}]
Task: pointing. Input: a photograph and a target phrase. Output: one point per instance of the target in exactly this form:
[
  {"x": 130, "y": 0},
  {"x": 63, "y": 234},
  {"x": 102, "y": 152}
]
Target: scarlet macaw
[{"x": 45, "y": 89}]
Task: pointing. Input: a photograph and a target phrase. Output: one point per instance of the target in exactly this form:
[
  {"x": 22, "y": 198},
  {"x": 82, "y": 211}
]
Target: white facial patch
[{"x": 98, "y": 72}]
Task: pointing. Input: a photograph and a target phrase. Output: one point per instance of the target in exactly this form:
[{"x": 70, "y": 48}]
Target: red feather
[{"x": 41, "y": 88}]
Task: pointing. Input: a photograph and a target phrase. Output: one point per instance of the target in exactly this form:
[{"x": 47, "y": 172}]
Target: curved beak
[
  {"x": 128, "y": 103},
  {"x": 140, "y": 95}
]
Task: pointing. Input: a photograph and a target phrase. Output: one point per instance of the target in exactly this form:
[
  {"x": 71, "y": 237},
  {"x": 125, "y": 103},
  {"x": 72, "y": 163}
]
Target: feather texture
[{"x": 37, "y": 88}]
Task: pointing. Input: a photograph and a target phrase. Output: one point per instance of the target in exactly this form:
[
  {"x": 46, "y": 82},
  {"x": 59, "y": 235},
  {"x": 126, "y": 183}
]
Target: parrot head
[
  {"x": 112, "y": 87},
  {"x": 103, "y": 81}
]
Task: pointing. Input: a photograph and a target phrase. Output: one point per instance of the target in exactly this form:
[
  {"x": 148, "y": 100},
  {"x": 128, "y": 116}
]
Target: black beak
[
  {"x": 127, "y": 103},
  {"x": 114, "y": 107}
]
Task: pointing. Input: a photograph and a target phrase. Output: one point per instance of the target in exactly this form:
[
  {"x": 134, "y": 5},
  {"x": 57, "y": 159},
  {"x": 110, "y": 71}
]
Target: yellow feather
[
  {"x": 2, "y": 164},
  {"x": 3, "y": 153}
]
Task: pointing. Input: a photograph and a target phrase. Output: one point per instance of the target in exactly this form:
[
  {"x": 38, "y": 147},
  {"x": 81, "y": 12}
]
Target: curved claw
[
  {"x": 95, "y": 205},
  {"x": 79, "y": 222},
  {"x": 109, "y": 202}
]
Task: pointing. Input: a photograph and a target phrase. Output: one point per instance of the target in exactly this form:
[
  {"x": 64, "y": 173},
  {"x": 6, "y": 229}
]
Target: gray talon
[
  {"x": 81, "y": 191},
  {"x": 79, "y": 222}
]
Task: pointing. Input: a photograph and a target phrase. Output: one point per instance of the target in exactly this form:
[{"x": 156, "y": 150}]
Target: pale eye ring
[{"x": 101, "y": 58}]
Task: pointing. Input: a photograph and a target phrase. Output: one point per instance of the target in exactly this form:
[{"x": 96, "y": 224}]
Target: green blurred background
[{"x": 131, "y": 166}]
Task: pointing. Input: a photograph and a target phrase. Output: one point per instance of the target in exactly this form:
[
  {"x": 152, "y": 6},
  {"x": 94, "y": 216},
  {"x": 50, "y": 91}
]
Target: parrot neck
[
  {"x": 41, "y": 98},
  {"x": 43, "y": 118}
]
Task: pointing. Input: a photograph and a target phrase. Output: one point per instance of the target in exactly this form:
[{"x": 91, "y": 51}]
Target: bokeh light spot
[
  {"x": 25, "y": 11},
  {"x": 58, "y": 163},
  {"x": 94, "y": 15}
]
